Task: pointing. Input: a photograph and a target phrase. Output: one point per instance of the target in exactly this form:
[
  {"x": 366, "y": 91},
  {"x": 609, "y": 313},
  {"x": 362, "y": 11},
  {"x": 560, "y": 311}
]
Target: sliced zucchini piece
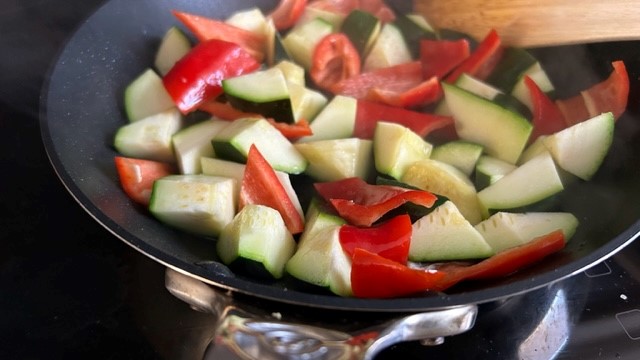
[
  {"x": 503, "y": 133},
  {"x": 198, "y": 204},
  {"x": 251, "y": 19},
  {"x": 478, "y": 87},
  {"x": 301, "y": 41},
  {"x": 292, "y": 72},
  {"x": 264, "y": 92},
  {"x": 362, "y": 28},
  {"x": 150, "y": 138},
  {"x": 446, "y": 180},
  {"x": 444, "y": 234},
  {"x": 194, "y": 142},
  {"x": 463, "y": 155},
  {"x": 233, "y": 143},
  {"x": 414, "y": 27},
  {"x": 389, "y": 49},
  {"x": 257, "y": 234},
  {"x": 581, "y": 148},
  {"x": 517, "y": 189},
  {"x": 489, "y": 170},
  {"x": 174, "y": 45},
  {"x": 506, "y": 230},
  {"x": 146, "y": 96},
  {"x": 395, "y": 147},
  {"x": 337, "y": 159},
  {"x": 512, "y": 65},
  {"x": 320, "y": 260},
  {"x": 234, "y": 170},
  {"x": 335, "y": 121},
  {"x": 306, "y": 103},
  {"x": 540, "y": 77}
]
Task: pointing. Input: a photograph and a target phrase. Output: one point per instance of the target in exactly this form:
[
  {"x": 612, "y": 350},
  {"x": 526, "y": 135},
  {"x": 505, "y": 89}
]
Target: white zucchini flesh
[
  {"x": 146, "y": 96},
  {"x": 174, "y": 45},
  {"x": 234, "y": 170},
  {"x": 395, "y": 147},
  {"x": 197, "y": 204},
  {"x": 533, "y": 181},
  {"x": 193, "y": 142},
  {"x": 446, "y": 180},
  {"x": 444, "y": 234},
  {"x": 505, "y": 230},
  {"x": 150, "y": 138},
  {"x": 335, "y": 121},
  {"x": 581, "y": 148},
  {"x": 257, "y": 233},
  {"x": 331, "y": 160}
]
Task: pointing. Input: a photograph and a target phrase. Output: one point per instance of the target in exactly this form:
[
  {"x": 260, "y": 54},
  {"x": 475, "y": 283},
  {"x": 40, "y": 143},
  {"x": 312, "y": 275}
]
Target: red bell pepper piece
[
  {"x": 287, "y": 13},
  {"x": 373, "y": 276},
  {"x": 573, "y": 109},
  {"x": 482, "y": 60},
  {"x": 225, "y": 111},
  {"x": 205, "y": 28},
  {"x": 335, "y": 58},
  {"x": 197, "y": 77},
  {"x": 399, "y": 85},
  {"x": 137, "y": 176},
  {"x": 368, "y": 114},
  {"x": 439, "y": 57},
  {"x": 260, "y": 185},
  {"x": 361, "y": 204},
  {"x": 611, "y": 94},
  {"x": 390, "y": 239},
  {"x": 547, "y": 117},
  {"x": 293, "y": 131},
  {"x": 505, "y": 262}
]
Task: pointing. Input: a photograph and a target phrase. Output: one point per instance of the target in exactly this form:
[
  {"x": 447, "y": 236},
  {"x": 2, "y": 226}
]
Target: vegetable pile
[{"x": 426, "y": 151}]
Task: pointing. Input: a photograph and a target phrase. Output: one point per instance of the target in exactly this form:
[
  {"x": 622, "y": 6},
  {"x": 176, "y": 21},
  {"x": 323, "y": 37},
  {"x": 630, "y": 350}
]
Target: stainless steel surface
[{"x": 256, "y": 334}]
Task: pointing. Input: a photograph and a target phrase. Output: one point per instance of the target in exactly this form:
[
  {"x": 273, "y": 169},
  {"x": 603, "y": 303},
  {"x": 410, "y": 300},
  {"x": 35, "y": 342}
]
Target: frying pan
[{"x": 81, "y": 109}]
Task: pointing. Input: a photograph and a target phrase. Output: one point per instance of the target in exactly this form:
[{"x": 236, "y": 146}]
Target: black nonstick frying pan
[{"x": 82, "y": 108}]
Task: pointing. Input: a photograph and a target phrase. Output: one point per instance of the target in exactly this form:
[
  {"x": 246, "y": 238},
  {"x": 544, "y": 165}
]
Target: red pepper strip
[
  {"x": 439, "y": 57},
  {"x": 197, "y": 77},
  {"x": 293, "y": 131},
  {"x": 205, "y": 28},
  {"x": 361, "y": 204},
  {"x": 287, "y": 13},
  {"x": 547, "y": 117},
  {"x": 609, "y": 95},
  {"x": 505, "y": 262},
  {"x": 137, "y": 176},
  {"x": 225, "y": 111},
  {"x": 373, "y": 276},
  {"x": 399, "y": 85},
  {"x": 424, "y": 93},
  {"x": 344, "y": 7},
  {"x": 335, "y": 58},
  {"x": 390, "y": 239},
  {"x": 482, "y": 60},
  {"x": 574, "y": 109},
  {"x": 368, "y": 114},
  {"x": 260, "y": 185}
]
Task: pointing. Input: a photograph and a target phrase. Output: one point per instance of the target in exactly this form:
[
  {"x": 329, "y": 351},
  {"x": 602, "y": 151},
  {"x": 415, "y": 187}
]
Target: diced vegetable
[
  {"x": 257, "y": 233},
  {"x": 138, "y": 175},
  {"x": 146, "y": 96},
  {"x": 390, "y": 239}
]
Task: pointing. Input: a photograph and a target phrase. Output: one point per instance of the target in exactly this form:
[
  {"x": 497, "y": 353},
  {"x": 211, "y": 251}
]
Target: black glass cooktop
[{"x": 69, "y": 289}]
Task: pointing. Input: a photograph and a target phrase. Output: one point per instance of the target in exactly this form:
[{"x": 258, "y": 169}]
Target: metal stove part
[{"x": 256, "y": 334}]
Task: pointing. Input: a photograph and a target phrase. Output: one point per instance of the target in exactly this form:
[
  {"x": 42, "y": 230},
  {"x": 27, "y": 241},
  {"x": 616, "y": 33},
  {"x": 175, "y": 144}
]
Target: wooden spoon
[{"x": 535, "y": 23}]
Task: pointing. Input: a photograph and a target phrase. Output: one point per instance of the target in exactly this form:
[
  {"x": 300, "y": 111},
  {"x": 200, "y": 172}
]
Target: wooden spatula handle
[{"x": 534, "y": 23}]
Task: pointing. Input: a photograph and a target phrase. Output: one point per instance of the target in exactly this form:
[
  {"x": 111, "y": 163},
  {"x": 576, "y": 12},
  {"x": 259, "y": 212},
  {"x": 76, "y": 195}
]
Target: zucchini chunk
[
  {"x": 257, "y": 234},
  {"x": 198, "y": 204}
]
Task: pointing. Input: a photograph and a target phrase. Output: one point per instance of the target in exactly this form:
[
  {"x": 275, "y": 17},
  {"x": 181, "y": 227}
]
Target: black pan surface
[{"x": 81, "y": 108}]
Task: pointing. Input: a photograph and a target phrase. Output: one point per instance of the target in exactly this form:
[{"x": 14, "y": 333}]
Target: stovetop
[{"x": 71, "y": 290}]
